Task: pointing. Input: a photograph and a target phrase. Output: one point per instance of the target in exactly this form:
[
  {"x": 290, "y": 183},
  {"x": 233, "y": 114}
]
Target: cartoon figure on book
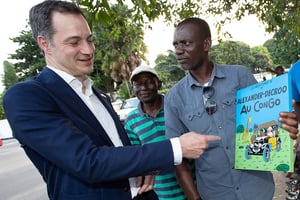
[{"x": 266, "y": 140}]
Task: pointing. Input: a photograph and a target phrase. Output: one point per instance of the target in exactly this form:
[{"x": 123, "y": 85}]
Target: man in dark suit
[{"x": 69, "y": 129}]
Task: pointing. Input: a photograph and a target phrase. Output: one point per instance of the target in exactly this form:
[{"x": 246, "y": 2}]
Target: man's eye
[
  {"x": 73, "y": 43},
  {"x": 187, "y": 43}
]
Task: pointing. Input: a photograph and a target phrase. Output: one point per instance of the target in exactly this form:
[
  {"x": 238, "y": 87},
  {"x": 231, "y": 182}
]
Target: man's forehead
[
  {"x": 143, "y": 75},
  {"x": 185, "y": 30}
]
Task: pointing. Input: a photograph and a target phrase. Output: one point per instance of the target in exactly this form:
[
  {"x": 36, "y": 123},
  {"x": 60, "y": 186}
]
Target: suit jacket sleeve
[{"x": 52, "y": 130}]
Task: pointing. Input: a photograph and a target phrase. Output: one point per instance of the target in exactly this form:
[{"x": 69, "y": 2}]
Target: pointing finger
[{"x": 212, "y": 138}]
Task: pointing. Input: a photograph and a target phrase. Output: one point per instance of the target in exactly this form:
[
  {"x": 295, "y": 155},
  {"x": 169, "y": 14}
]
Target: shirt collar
[
  {"x": 216, "y": 73},
  {"x": 74, "y": 82},
  {"x": 141, "y": 112}
]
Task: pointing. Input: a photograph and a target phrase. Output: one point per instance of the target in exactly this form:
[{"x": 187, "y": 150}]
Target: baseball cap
[{"x": 141, "y": 69}]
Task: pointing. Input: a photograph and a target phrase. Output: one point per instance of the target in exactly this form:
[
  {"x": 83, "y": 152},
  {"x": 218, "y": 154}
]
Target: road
[
  {"x": 280, "y": 181},
  {"x": 19, "y": 180}
]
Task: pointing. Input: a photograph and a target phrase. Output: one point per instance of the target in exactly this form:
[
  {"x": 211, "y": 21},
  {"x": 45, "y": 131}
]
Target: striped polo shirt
[{"x": 142, "y": 129}]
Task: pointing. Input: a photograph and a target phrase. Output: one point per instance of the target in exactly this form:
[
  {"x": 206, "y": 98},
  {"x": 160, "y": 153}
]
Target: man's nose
[{"x": 88, "y": 48}]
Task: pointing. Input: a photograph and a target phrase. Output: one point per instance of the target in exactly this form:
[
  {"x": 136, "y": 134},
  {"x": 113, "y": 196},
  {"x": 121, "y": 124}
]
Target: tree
[
  {"x": 168, "y": 70},
  {"x": 29, "y": 56},
  {"x": 262, "y": 58},
  {"x": 232, "y": 52},
  {"x": 235, "y": 52},
  {"x": 2, "y": 114},
  {"x": 279, "y": 16},
  {"x": 276, "y": 14},
  {"x": 282, "y": 55},
  {"x": 10, "y": 76},
  {"x": 272, "y": 48},
  {"x": 120, "y": 45}
]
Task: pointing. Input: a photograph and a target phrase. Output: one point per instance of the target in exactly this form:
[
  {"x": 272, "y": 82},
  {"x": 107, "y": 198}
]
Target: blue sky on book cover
[{"x": 261, "y": 143}]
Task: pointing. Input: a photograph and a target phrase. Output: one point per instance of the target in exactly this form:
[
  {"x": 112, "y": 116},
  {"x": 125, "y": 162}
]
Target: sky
[{"x": 14, "y": 15}]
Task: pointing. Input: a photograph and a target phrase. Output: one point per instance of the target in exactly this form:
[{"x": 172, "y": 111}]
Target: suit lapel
[
  {"x": 106, "y": 102},
  {"x": 76, "y": 107}
]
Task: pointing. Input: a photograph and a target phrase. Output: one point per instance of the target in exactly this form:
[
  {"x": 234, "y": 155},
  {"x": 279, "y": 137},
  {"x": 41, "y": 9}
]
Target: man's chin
[
  {"x": 89, "y": 70},
  {"x": 184, "y": 66}
]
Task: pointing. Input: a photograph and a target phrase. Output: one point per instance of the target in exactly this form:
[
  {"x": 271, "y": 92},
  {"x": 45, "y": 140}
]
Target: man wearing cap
[{"x": 146, "y": 124}]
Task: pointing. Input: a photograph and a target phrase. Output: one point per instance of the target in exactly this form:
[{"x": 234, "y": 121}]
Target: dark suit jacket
[{"x": 70, "y": 148}]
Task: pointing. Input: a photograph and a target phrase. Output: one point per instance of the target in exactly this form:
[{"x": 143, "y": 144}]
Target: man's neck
[
  {"x": 153, "y": 107},
  {"x": 203, "y": 73}
]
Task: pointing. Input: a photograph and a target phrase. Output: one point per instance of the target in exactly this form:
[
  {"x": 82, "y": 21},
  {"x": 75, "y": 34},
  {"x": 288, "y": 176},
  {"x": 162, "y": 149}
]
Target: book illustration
[{"x": 261, "y": 142}]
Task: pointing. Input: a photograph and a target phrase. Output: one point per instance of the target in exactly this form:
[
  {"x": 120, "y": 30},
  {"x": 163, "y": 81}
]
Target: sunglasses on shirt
[{"x": 209, "y": 104}]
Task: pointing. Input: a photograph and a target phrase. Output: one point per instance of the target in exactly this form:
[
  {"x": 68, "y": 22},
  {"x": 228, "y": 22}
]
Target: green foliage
[
  {"x": 276, "y": 14},
  {"x": 262, "y": 58},
  {"x": 232, "y": 52},
  {"x": 283, "y": 18},
  {"x": 123, "y": 92},
  {"x": 2, "y": 115},
  {"x": 119, "y": 35},
  {"x": 120, "y": 45},
  {"x": 280, "y": 16},
  {"x": 10, "y": 76},
  {"x": 101, "y": 81},
  {"x": 30, "y": 59},
  {"x": 272, "y": 48},
  {"x": 9, "y": 79},
  {"x": 168, "y": 70},
  {"x": 280, "y": 54}
]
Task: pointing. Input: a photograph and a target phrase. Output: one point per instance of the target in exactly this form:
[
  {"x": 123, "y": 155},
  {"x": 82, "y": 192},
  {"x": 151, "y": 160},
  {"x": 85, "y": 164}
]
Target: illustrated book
[{"x": 261, "y": 142}]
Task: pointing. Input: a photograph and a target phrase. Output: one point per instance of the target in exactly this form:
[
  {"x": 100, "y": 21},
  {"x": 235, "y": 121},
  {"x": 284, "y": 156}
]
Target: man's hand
[
  {"x": 146, "y": 183},
  {"x": 193, "y": 144},
  {"x": 289, "y": 121}
]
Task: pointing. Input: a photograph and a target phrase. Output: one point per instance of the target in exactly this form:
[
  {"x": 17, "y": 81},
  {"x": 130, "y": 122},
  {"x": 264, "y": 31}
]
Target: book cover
[{"x": 261, "y": 143}]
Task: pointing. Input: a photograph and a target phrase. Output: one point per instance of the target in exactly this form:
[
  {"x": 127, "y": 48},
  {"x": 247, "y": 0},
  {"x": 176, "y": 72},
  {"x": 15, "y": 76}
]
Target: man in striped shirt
[{"x": 146, "y": 124}]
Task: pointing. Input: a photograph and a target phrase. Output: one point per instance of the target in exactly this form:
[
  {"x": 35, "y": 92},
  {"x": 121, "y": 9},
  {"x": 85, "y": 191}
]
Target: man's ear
[
  {"x": 43, "y": 43},
  {"x": 207, "y": 44}
]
